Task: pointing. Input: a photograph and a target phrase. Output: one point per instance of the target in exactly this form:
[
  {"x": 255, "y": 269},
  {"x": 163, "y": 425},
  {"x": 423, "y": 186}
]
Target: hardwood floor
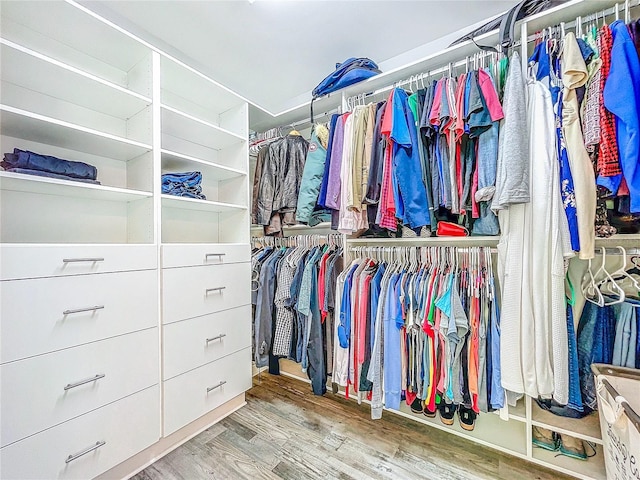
[{"x": 285, "y": 432}]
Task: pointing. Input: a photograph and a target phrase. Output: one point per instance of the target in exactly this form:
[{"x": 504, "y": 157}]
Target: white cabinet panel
[
  {"x": 181, "y": 255},
  {"x": 43, "y": 391},
  {"x": 191, "y": 395},
  {"x": 192, "y": 343},
  {"x": 46, "y": 314},
  {"x": 193, "y": 291},
  {"x": 30, "y": 261},
  {"x": 126, "y": 427}
]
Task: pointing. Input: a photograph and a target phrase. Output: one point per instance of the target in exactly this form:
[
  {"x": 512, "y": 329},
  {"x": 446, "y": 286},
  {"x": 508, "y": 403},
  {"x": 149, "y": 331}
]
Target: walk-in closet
[{"x": 272, "y": 239}]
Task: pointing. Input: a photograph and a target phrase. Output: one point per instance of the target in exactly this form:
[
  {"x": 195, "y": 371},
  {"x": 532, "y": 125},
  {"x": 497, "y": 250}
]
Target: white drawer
[
  {"x": 33, "y": 319},
  {"x": 126, "y": 426},
  {"x": 193, "y": 291},
  {"x": 187, "y": 255},
  {"x": 33, "y": 390},
  {"x": 192, "y": 343},
  {"x": 186, "y": 397},
  {"x": 33, "y": 261}
]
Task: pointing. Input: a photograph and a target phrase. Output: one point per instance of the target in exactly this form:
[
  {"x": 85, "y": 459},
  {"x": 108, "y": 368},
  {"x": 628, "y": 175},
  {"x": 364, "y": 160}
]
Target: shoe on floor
[
  {"x": 572, "y": 447},
  {"x": 429, "y": 413},
  {"x": 447, "y": 412},
  {"x": 546, "y": 439},
  {"x": 467, "y": 418},
  {"x": 416, "y": 406}
]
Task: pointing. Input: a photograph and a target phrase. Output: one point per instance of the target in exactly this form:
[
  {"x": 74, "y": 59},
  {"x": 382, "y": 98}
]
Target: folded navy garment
[
  {"x": 185, "y": 184},
  {"x": 46, "y": 163},
  {"x": 40, "y": 173}
]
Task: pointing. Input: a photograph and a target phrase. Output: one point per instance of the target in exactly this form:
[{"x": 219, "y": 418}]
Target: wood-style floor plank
[{"x": 286, "y": 433}]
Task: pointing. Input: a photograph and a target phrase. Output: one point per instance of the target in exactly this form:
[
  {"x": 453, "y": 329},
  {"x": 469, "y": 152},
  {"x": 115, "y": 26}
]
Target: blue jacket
[{"x": 622, "y": 98}]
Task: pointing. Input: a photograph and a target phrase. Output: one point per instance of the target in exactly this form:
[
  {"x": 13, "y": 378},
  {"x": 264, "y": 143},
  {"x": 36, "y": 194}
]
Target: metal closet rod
[
  {"x": 599, "y": 15},
  {"x": 380, "y": 248},
  {"x": 624, "y": 6}
]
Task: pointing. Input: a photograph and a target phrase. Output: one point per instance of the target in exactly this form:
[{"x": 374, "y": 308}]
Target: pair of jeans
[
  {"x": 40, "y": 173},
  {"x": 624, "y": 347},
  {"x": 46, "y": 163},
  {"x": 182, "y": 191},
  {"x": 595, "y": 345}
]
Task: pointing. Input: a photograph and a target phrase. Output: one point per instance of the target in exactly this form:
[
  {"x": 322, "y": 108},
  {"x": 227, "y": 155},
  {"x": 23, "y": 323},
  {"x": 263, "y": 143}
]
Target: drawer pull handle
[
  {"x": 216, "y": 386},
  {"x": 86, "y": 380},
  {"x": 220, "y": 255},
  {"x": 78, "y": 260},
  {"x": 75, "y": 456},
  {"x": 80, "y": 310},
  {"x": 217, "y": 289},
  {"x": 217, "y": 337}
]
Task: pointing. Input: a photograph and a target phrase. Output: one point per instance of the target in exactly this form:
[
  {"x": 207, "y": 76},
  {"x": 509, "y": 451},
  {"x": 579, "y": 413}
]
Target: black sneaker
[
  {"x": 416, "y": 406},
  {"x": 447, "y": 412},
  {"x": 467, "y": 418}
]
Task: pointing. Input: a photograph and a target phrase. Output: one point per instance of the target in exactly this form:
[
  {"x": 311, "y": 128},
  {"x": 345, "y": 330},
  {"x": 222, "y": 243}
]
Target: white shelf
[
  {"x": 18, "y": 123},
  {"x": 181, "y": 86},
  {"x": 199, "y": 205},
  {"x": 590, "y": 469},
  {"x": 623, "y": 240},
  {"x": 471, "y": 241},
  {"x": 19, "y": 182},
  {"x": 185, "y": 126},
  {"x": 173, "y": 161},
  {"x": 62, "y": 30},
  {"x": 587, "y": 428},
  {"x": 300, "y": 226},
  {"x": 34, "y": 71}
]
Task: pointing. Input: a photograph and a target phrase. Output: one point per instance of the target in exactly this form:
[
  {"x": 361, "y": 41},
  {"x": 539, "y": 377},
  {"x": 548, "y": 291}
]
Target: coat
[{"x": 281, "y": 177}]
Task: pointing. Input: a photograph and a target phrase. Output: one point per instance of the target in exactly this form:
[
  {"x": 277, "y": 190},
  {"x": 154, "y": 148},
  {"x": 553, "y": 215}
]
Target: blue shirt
[
  {"x": 622, "y": 97},
  {"x": 406, "y": 163}
]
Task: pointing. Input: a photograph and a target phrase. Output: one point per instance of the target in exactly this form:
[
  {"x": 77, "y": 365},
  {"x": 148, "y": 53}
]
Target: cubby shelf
[
  {"x": 586, "y": 428},
  {"x": 19, "y": 182},
  {"x": 18, "y": 123},
  {"x": 183, "y": 125},
  {"x": 176, "y": 162},
  {"x": 199, "y": 205},
  {"x": 40, "y": 73}
]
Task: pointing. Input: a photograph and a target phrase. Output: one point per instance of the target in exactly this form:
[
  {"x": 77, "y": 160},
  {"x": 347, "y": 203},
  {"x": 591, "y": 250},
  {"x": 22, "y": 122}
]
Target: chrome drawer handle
[
  {"x": 220, "y": 255},
  {"x": 77, "y": 260},
  {"x": 75, "y": 456},
  {"x": 216, "y": 386},
  {"x": 217, "y": 289},
  {"x": 217, "y": 337},
  {"x": 82, "y": 382},
  {"x": 80, "y": 310}
]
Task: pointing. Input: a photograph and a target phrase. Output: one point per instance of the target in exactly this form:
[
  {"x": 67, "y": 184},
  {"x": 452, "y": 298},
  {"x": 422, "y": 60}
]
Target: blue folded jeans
[
  {"x": 46, "y": 163},
  {"x": 183, "y": 184},
  {"x": 40, "y": 173}
]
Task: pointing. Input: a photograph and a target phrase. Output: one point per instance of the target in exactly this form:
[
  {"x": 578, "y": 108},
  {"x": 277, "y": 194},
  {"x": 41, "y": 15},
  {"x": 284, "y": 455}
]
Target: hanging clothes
[
  {"x": 279, "y": 183},
  {"x": 293, "y": 317},
  {"x": 418, "y": 330}
]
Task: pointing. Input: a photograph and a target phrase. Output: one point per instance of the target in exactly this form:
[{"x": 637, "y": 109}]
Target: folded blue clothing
[
  {"x": 40, "y": 173},
  {"x": 185, "y": 184},
  {"x": 46, "y": 163},
  {"x": 188, "y": 179},
  {"x": 194, "y": 192}
]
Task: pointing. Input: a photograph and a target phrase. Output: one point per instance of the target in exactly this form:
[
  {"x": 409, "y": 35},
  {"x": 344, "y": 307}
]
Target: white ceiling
[{"x": 274, "y": 52}]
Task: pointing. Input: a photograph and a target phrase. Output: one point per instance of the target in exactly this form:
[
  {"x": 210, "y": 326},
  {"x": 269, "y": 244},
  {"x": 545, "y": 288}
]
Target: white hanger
[
  {"x": 622, "y": 271},
  {"x": 608, "y": 278}
]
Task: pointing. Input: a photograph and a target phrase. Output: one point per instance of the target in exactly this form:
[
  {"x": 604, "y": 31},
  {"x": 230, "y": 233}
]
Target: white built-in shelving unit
[{"x": 107, "y": 290}]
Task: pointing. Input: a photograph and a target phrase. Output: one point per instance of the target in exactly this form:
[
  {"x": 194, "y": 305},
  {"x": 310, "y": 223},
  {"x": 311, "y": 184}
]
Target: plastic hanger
[
  {"x": 623, "y": 273},
  {"x": 614, "y": 289},
  {"x": 590, "y": 291}
]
